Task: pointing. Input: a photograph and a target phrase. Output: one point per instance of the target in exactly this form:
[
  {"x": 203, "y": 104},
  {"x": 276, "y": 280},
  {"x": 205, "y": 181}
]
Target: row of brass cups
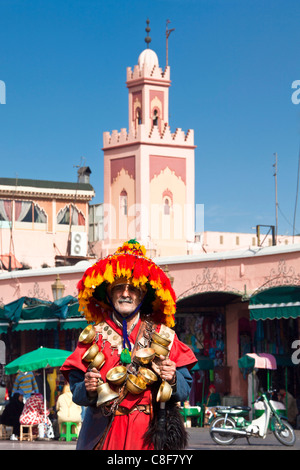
[
  {"x": 96, "y": 359},
  {"x": 118, "y": 375},
  {"x": 160, "y": 345}
]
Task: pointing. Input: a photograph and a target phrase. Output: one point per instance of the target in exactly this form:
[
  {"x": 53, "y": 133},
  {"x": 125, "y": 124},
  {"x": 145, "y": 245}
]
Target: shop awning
[
  {"x": 3, "y": 327},
  {"x": 29, "y": 313},
  {"x": 277, "y": 302},
  {"x": 9, "y": 261},
  {"x": 257, "y": 361},
  {"x": 50, "y": 324},
  {"x": 204, "y": 363}
]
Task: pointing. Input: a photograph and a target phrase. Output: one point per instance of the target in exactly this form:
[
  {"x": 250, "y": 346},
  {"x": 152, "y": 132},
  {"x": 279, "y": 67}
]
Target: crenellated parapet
[
  {"x": 144, "y": 72},
  {"x": 152, "y": 136}
]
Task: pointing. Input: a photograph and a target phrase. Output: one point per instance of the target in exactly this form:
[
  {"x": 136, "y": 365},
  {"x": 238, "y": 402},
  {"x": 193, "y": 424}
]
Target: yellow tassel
[
  {"x": 89, "y": 281},
  {"x": 98, "y": 280},
  {"x": 139, "y": 281},
  {"x": 108, "y": 274}
]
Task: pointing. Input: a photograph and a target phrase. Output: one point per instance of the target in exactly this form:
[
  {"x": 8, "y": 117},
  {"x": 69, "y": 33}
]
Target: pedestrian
[
  {"x": 129, "y": 298},
  {"x": 25, "y": 383},
  {"x": 11, "y": 414}
]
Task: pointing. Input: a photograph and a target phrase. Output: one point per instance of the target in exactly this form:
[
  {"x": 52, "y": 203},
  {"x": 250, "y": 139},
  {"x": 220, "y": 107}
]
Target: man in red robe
[{"x": 128, "y": 298}]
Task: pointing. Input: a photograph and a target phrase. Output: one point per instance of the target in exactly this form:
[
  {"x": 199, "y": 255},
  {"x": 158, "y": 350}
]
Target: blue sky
[{"x": 232, "y": 63}]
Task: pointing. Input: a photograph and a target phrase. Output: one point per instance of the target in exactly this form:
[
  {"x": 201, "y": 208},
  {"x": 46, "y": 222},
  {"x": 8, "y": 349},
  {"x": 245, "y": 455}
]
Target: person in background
[
  {"x": 291, "y": 405},
  {"x": 34, "y": 413},
  {"x": 51, "y": 379},
  {"x": 212, "y": 400},
  {"x": 25, "y": 383},
  {"x": 11, "y": 414},
  {"x": 38, "y": 375},
  {"x": 67, "y": 410}
]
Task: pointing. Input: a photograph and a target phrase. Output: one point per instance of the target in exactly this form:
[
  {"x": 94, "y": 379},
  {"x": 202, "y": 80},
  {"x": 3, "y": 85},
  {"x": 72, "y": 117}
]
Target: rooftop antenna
[
  {"x": 147, "y": 38},
  {"x": 276, "y": 201},
  {"x": 82, "y": 162},
  {"x": 297, "y": 191},
  {"x": 68, "y": 249},
  {"x": 168, "y": 32}
]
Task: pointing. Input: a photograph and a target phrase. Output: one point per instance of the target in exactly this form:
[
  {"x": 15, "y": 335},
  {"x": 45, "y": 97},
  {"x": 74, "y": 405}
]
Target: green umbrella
[{"x": 40, "y": 358}]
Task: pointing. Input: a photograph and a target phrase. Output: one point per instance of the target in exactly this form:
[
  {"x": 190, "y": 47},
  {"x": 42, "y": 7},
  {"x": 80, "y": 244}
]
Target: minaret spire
[{"x": 147, "y": 38}]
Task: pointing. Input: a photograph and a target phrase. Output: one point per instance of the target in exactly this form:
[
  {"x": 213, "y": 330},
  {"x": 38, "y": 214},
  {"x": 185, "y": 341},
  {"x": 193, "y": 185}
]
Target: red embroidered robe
[{"x": 126, "y": 432}]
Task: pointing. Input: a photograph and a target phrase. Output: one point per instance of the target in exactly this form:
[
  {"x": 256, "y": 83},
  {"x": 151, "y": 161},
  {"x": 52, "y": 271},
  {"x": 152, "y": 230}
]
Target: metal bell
[{"x": 105, "y": 394}]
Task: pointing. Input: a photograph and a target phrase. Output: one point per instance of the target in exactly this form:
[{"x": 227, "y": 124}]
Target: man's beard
[
  {"x": 125, "y": 313},
  {"x": 127, "y": 301}
]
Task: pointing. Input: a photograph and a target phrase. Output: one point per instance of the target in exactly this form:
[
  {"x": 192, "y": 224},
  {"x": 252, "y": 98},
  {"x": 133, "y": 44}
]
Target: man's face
[{"x": 125, "y": 298}]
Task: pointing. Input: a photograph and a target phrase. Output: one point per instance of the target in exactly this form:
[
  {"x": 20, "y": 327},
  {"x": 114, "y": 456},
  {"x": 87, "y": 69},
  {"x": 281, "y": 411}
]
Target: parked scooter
[{"x": 230, "y": 423}]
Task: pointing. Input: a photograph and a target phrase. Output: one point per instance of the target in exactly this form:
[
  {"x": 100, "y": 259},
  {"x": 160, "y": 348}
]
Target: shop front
[
  {"x": 205, "y": 321},
  {"x": 222, "y": 327},
  {"x": 28, "y": 323},
  {"x": 274, "y": 313}
]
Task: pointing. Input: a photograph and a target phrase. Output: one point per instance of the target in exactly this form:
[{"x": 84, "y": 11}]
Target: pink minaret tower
[{"x": 148, "y": 170}]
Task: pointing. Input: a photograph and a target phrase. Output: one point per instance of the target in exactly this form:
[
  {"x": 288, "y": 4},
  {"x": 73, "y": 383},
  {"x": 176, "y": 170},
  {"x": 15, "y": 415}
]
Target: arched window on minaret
[
  {"x": 137, "y": 110},
  {"x": 139, "y": 115},
  {"x": 155, "y": 118},
  {"x": 166, "y": 206},
  {"x": 167, "y": 199},
  {"x": 123, "y": 202}
]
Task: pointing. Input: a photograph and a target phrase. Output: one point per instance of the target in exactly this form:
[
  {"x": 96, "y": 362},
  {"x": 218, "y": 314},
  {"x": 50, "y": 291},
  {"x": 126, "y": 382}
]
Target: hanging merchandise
[
  {"x": 245, "y": 344},
  {"x": 279, "y": 348},
  {"x": 259, "y": 336},
  {"x": 205, "y": 335},
  {"x": 219, "y": 359},
  {"x": 212, "y": 353},
  {"x": 197, "y": 338}
]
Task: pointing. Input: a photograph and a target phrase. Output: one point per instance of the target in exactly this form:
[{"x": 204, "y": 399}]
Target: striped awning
[{"x": 276, "y": 302}]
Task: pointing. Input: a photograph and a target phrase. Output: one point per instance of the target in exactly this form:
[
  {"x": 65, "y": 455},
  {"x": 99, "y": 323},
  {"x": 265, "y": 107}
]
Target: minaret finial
[
  {"x": 168, "y": 32},
  {"x": 147, "y": 39}
]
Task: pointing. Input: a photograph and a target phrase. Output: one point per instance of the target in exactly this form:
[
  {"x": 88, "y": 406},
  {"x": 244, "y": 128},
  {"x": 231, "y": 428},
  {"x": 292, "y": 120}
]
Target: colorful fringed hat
[{"x": 130, "y": 263}]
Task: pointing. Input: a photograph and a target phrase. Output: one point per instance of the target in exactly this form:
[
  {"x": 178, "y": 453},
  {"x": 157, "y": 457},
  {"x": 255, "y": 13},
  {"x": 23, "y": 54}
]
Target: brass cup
[
  {"x": 164, "y": 392},
  {"x": 135, "y": 384},
  {"x": 105, "y": 394},
  {"x": 160, "y": 339},
  {"x": 159, "y": 349},
  {"x": 145, "y": 355},
  {"x": 98, "y": 361},
  {"x": 87, "y": 335},
  {"x": 117, "y": 375},
  {"x": 147, "y": 375},
  {"x": 91, "y": 353}
]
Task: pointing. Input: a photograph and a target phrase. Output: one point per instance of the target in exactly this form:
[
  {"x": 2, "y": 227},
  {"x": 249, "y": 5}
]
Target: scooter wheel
[
  {"x": 284, "y": 433},
  {"x": 220, "y": 437}
]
